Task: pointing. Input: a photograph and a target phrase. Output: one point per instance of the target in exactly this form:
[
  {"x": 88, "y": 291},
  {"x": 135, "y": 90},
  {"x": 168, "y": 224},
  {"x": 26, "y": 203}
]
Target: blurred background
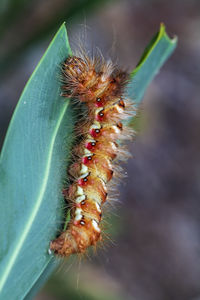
[{"x": 153, "y": 249}]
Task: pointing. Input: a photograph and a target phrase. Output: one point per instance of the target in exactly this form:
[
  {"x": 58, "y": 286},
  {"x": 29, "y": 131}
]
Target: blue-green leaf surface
[
  {"x": 154, "y": 56},
  {"x": 32, "y": 169}
]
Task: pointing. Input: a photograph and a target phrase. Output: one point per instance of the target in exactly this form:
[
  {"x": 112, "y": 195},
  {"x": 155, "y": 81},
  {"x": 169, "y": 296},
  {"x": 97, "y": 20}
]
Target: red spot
[
  {"x": 82, "y": 181},
  {"x": 94, "y": 132},
  {"x": 90, "y": 145},
  {"x": 99, "y": 102},
  {"x": 99, "y": 117},
  {"x": 86, "y": 159}
]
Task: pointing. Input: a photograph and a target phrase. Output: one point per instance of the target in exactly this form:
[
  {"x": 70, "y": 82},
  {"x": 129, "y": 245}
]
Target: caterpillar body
[{"x": 100, "y": 85}]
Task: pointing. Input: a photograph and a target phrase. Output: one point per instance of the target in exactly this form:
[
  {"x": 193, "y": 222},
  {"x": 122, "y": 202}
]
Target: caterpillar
[{"x": 100, "y": 86}]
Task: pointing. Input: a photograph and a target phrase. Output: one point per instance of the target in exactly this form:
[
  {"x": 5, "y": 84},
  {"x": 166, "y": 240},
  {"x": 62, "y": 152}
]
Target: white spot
[
  {"x": 96, "y": 226},
  {"x": 78, "y": 214},
  {"x": 90, "y": 141},
  {"x": 104, "y": 185},
  {"x": 79, "y": 191},
  {"x": 98, "y": 207},
  {"x": 80, "y": 199},
  {"x": 84, "y": 169},
  {"x": 109, "y": 165},
  {"x": 98, "y": 110},
  {"x": 97, "y": 200},
  {"x": 96, "y": 125},
  {"x": 49, "y": 251},
  {"x": 103, "y": 78},
  {"x": 84, "y": 175},
  {"x": 24, "y": 102},
  {"x": 114, "y": 147},
  {"x": 78, "y": 211},
  {"x": 119, "y": 109},
  {"x": 116, "y": 129},
  {"x": 86, "y": 151},
  {"x": 90, "y": 154}
]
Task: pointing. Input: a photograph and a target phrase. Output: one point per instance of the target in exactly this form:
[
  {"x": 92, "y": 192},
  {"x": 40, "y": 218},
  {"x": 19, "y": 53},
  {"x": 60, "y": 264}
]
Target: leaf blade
[
  {"x": 155, "y": 54},
  {"x": 29, "y": 149}
]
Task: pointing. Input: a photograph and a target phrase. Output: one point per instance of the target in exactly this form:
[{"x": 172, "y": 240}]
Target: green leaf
[
  {"x": 33, "y": 165},
  {"x": 32, "y": 171},
  {"x": 154, "y": 56}
]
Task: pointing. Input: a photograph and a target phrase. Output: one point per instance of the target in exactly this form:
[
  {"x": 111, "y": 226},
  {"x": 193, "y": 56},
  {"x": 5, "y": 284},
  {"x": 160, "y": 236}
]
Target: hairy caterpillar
[{"x": 100, "y": 85}]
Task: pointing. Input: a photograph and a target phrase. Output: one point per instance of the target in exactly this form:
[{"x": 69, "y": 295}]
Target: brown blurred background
[{"x": 155, "y": 229}]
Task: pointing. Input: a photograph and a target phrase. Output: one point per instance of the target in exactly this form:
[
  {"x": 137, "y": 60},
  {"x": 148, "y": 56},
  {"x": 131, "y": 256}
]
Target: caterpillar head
[{"x": 75, "y": 67}]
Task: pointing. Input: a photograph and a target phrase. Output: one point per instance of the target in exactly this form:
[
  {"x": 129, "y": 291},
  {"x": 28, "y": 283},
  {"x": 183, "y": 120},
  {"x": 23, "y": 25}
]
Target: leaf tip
[{"x": 162, "y": 32}]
